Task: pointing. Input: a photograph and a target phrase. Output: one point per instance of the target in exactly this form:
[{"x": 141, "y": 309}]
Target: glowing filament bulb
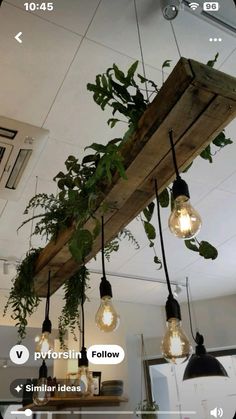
[
  {"x": 106, "y": 317},
  {"x": 175, "y": 345},
  {"x": 184, "y": 220},
  {"x": 44, "y": 345}
]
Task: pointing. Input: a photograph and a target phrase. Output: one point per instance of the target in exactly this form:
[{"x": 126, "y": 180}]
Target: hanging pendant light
[
  {"x": 106, "y": 317},
  {"x": 201, "y": 364},
  {"x": 84, "y": 376},
  {"x": 175, "y": 345},
  {"x": 44, "y": 343},
  {"x": 41, "y": 395},
  {"x": 184, "y": 221}
]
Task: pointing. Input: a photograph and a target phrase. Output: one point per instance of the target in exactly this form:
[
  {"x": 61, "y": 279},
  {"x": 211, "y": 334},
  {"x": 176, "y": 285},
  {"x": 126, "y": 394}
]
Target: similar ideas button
[{"x": 105, "y": 354}]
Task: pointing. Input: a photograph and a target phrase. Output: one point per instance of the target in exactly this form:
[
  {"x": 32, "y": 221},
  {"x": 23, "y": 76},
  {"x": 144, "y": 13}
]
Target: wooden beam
[{"x": 197, "y": 102}]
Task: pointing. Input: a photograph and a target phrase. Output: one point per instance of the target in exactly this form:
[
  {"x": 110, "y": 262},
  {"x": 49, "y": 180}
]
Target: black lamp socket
[
  {"x": 43, "y": 370},
  {"x": 83, "y": 360},
  {"x": 200, "y": 348},
  {"x": 179, "y": 188},
  {"x": 47, "y": 325},
  {"x": 105, "y": 288},
  {"x": 172, "y": 308}
]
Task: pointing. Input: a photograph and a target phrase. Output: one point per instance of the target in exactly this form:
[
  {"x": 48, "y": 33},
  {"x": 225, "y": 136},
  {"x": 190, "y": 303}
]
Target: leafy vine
[{"x": 22, "y": 299}]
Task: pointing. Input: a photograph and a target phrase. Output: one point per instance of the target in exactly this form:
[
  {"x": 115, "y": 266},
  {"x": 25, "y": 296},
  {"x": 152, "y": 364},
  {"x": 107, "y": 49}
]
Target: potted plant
[{"x": 145, "y": 409}]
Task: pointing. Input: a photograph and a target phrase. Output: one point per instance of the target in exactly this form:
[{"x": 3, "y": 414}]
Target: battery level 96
[{"x": 211, "y": 6}]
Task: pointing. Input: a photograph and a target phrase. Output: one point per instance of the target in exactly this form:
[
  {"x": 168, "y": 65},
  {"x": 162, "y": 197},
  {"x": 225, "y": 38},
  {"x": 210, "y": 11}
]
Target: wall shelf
[
  {"x": 59, "y": 403},
  {"x": 197, "y": 102}
]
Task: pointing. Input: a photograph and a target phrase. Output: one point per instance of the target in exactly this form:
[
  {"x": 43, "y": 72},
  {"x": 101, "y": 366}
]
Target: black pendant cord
[
  {"x": 196, "y": 340},
  {"x": 173, "y": 153},
  {"x": 47, "y": 308},
  {"x": 103, "y": 247},
  {"x": 162, "y": 241}
]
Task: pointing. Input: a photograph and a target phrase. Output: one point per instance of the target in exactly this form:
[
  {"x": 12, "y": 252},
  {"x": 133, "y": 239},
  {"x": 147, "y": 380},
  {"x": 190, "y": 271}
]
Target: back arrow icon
[{"x": 17, "y": 37}]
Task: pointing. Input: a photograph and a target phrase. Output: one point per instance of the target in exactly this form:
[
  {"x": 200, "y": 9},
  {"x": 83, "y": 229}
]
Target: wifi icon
[{"x": 194, "y": 6}]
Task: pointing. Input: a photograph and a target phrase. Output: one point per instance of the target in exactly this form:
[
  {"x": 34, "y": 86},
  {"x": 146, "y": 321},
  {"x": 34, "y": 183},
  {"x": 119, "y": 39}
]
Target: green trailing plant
[
  {"x": 22, "y": 299},
  {"x": 147, "y": 409},
  {"x": 113, "y": 245},
  {"x": 84, "y": 183},
  {"x": 73, "y": 294}
]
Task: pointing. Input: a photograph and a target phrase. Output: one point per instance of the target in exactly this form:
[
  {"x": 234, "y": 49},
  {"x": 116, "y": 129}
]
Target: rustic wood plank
[
  {"x": 196, "y": 112},
  {"x": 212, "y": 81},
  {"x": 60, "y": 403}
]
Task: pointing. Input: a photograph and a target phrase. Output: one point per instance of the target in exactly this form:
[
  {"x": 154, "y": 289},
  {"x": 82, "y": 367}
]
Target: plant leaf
[
  {"x": 150, "y": 230},
  {"x": 191, "y": 244},
  {"x": 206, "y": 154},
  {"x": 157, "y": 261},
  {"x": 166, "y": 64},
  {"x": 207, "y": 250},
  {"x": 164, "y": 198},
  {"x": 211, "y": 63}
]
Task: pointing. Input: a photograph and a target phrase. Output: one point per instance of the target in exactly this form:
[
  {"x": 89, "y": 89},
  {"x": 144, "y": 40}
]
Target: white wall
[{"x": 215, "y": 319}]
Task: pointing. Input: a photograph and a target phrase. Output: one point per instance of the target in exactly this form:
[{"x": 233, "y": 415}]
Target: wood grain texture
[{"x": 197, "y": 102}]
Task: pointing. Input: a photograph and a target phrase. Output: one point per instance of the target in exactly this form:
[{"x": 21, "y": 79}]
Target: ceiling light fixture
[
  {"x": 170, "y": 8},
  {"x": 201, "y": 364},
  {"x": 184, "y": 221},
  {"x": 44, "y": 344},
  {"x": 175, "y": 346},
  {"x": 106, "y": 318}
]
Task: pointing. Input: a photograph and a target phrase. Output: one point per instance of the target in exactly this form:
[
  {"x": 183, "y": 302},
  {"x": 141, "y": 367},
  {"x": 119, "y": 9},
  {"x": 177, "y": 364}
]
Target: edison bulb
[
  {"x": 44, "y": 344},
  {"x": 106, "y": 317},
  {"x": 184, "y": 220},
  {"x": 41, "y": 394},
  {"x": 175, "y": 345}
]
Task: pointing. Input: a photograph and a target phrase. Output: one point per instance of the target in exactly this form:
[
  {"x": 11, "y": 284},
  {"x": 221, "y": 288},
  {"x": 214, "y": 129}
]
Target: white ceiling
[{"x": 43, "y": 82}]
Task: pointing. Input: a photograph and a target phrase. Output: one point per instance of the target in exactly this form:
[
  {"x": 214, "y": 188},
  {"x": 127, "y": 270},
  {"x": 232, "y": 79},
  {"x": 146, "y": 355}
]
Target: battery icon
[{"x": 211, "y": 6}]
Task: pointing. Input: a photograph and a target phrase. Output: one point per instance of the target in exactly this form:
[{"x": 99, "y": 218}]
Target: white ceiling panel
[
  {"x": 223, "y": 162},
  {"x": 229, "y": 184},
  {"x": 31, "y": 72},
  {"x": 53, "y": 158},
  {"x": 13, "y": 214},
  {"x": 84, "y": 122},
  {"x": 193, "y": 36},
  {"x": 117, "y": 18},
  {"x": 229, "y": 65},
  {"x": 74, "y": 15},
  {"x": 130, "y": 290},
  {"x": 222, "y": 271},
  {"x": 204, "y": 286}
]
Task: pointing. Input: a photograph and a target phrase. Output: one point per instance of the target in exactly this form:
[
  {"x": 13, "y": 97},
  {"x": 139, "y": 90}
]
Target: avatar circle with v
[{"x": 19, "y": 354}]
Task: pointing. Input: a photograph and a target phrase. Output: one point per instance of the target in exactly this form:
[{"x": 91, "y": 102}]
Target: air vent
[
  {"x": 20, "y": 147},
  {"x": 7, "y": 133}
]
